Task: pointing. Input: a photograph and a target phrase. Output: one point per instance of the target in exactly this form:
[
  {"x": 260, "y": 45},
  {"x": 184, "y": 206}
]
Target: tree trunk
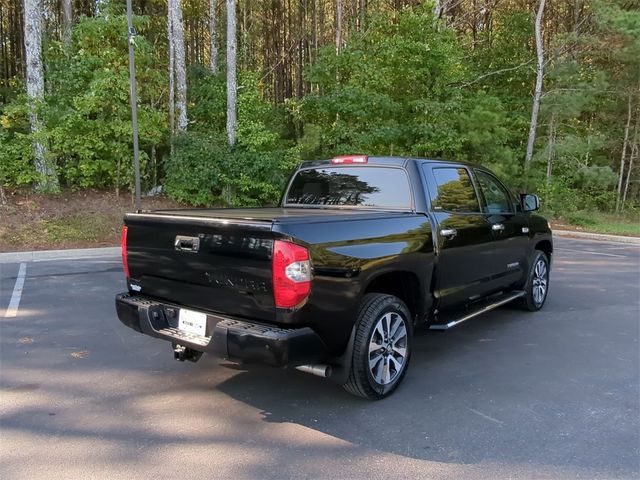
[
  {"x": 437, "y": 9},
  {"x": 551, "y": 148},
  {"x": 3, "y": 50},
  {"x": 537, "y": 94},
  {"x": 231, "y": 71},
  {"x": 632, "y": 157},
  {"x": 362, "y": 15},
  {"x": 47, "y": 181},
  {"x": 338, "y": 25},
  {"x": 172, "y": 88},
  {"x": 175, "y": 10},
  {"x": 624, "y": 155},
  {"x": 67, "y": 19}
]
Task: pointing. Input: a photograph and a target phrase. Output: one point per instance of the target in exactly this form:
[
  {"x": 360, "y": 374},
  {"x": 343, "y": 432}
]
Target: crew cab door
[
  {"x": 509, "y": 228},
  {"x": 464, "y": 237}
]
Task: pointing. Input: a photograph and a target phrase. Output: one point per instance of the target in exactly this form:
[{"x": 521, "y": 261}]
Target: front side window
[
  {"x": 496, "y": 199},
  {"x": 364, "y": 186},
  {"x": 455, "y": 191}
]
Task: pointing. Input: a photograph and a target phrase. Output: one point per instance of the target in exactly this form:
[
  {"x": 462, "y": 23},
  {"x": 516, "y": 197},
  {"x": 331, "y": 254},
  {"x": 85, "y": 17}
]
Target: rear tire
[
  {"x": 382, "y": 347},
  {"x": 537, "y": 286}
]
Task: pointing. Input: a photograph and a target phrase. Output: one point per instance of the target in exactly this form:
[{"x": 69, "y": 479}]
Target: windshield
[{"x": 364, "y": 186}]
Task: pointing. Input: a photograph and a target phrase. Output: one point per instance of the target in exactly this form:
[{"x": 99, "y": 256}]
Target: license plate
[{"x": 192, "y": 322}]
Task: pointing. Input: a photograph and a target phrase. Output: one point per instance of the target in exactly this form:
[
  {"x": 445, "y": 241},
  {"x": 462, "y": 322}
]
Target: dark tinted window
[
  {"x": 496, "y": 199},
  {"x": 364, "y": 186},
  {"x": 455, "y": 191}
]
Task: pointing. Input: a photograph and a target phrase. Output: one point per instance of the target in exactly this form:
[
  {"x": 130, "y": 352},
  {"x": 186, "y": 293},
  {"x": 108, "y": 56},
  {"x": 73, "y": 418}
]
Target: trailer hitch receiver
[{"x": 182, "y": 353}]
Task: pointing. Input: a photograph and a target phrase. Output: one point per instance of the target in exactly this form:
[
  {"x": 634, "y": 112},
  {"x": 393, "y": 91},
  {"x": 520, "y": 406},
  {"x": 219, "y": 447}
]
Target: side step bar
[{"x": 499, "y": 301}]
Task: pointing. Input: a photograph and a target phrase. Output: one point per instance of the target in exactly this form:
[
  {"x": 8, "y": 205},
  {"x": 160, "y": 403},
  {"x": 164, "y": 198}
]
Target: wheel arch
[
  {"x": 405, "y": 285},
  {"x": 545, "y": 246}
]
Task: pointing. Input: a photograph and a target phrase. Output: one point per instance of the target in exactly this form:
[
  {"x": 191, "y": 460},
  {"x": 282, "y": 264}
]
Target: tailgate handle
[
  {"x": 448, "y": 232},
  {"x": 187, "y": 244}
]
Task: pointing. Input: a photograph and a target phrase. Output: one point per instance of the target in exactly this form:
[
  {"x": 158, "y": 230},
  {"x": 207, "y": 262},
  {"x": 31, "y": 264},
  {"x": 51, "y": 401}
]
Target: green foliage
[
  {"x": 392, "y": 91},
  {"x": 404, "y": 85},
  {"x": 89, "y": 118},
  {"x": 86, "y": 113},
  {"x": 16, "y": 152},
  {"x": 205, "y": 171}
]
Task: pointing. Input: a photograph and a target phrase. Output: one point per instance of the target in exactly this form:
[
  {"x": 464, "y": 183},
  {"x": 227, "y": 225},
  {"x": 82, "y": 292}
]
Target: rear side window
[
  {"x": 455, "y": 191},
  {"x": 351, "y": 186}
]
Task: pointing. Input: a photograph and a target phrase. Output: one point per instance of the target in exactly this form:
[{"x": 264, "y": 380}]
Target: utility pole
[{"x": 134, "y": 105}]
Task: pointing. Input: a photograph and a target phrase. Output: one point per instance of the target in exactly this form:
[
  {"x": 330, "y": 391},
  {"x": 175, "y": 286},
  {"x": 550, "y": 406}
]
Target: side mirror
[{"x": 529, "y": 202}]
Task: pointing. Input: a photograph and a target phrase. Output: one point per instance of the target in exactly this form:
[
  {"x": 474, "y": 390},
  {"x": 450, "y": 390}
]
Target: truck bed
[{"x": 230, "y": 271}]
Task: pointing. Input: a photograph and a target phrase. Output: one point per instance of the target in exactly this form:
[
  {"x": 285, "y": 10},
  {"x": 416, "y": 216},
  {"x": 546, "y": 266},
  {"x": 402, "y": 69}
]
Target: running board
[{"x": 494, "y": 304}]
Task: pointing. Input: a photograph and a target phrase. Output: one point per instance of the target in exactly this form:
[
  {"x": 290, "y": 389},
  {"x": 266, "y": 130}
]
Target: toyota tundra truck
[{"x": 333, "y": 281}]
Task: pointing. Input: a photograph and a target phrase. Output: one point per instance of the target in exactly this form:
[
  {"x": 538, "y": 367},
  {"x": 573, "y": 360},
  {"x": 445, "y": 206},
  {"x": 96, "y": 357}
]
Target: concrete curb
[
  {"x": 598, "y": 236},
  {"x": 17, "y": 257},
  {"x": 43, "y": 255}
]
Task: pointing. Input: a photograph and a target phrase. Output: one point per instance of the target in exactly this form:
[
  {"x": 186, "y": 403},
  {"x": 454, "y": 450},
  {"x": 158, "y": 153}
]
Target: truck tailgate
[{"x": 218, "y": 264}]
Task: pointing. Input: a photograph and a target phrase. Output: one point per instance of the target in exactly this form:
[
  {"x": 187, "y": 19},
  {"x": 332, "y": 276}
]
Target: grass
[
  {"x": 68, "y": 220},
  {"x": 83, "y": 228},
  {"x": 80, "y": 227},
  {"x": 627, "y": 224}
]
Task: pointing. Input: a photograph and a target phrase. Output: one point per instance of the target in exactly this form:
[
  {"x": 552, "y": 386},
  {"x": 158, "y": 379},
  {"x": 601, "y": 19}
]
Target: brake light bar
[{"x": 348, "y": 159}]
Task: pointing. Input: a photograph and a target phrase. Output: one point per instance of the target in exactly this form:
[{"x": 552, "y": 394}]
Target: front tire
[
  {"x": 537, "y": 286},
  {"x": 382, "y": 347}
]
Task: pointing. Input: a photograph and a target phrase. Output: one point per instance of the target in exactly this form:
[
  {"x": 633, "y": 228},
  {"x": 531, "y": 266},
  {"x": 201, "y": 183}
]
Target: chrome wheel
[
  {"x": 388, "y": 348},
  {"x": 540, "y": 282}
]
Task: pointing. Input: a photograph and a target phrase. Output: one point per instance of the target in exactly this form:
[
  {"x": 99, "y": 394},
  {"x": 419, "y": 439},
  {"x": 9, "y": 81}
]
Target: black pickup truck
[{"x": 334, "y": 280}]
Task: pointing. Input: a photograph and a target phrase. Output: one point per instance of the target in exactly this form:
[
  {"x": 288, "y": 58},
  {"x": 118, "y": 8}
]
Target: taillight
[
  {"x": 123, "y": 248},
  {"x": 349, "y": 159},
  {"x": 291, "y": 274}
]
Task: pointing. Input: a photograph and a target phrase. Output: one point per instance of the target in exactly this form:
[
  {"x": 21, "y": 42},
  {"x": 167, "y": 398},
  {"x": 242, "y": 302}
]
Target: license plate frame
[{"x": 193, "y": 322}]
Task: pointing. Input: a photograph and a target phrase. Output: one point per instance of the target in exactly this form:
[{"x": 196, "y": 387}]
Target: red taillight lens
[
  {"x": 291, "y": 274},
  {"x": 123, "y": 248},
  {"x": 348, "y": 159}
]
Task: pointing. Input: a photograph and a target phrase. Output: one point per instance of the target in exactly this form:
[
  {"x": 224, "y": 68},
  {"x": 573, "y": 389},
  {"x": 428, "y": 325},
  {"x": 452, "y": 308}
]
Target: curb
[
  {"x": 17, "y": 257},
  {"x": 42, "y": 255},
  {"x": 598, "y": 236}
]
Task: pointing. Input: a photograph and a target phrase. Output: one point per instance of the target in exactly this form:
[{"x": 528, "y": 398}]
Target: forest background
[{"x": 546, "y": 93}]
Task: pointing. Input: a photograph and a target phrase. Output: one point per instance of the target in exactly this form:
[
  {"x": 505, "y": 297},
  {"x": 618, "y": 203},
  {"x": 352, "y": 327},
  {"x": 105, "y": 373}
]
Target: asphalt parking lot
[{"x": 507, "y": 395}]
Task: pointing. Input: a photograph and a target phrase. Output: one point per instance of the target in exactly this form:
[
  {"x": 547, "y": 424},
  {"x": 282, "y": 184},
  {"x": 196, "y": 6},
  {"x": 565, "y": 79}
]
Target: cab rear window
[{"x": 368, "y": 186}]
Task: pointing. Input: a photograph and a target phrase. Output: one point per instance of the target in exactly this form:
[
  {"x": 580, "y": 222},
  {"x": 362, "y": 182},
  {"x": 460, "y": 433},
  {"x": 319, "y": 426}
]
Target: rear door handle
[
  {"x": 448, "y": 232},
  {"x": 497, "y": 227}
]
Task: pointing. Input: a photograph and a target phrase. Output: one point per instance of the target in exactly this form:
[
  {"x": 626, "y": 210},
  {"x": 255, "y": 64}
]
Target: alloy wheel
[
  {"x": 540, "y": 281},
  {"x": 388, "y": 348}
]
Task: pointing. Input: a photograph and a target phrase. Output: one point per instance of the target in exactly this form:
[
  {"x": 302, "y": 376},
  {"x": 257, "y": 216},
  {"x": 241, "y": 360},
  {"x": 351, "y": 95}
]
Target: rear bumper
[{"x": 225, "y": 337}]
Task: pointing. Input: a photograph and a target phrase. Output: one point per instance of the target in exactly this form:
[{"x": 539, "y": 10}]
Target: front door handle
[
  {"x": 448, "y": 232},
  {"x": 497, "y": 227}
]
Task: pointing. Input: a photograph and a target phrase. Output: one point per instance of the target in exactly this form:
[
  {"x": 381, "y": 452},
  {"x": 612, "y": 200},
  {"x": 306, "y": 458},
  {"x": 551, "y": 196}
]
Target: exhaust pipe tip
[{"x": 323, "y": 371}]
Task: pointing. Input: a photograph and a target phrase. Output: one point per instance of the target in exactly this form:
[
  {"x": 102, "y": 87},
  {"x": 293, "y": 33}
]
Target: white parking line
[
  {"x": 14, "y": 303},
  {"x": 592, "y": 253}
]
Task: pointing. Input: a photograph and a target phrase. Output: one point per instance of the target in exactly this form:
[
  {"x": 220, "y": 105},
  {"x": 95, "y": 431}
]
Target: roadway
[{"x": 513, "y": 394}]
